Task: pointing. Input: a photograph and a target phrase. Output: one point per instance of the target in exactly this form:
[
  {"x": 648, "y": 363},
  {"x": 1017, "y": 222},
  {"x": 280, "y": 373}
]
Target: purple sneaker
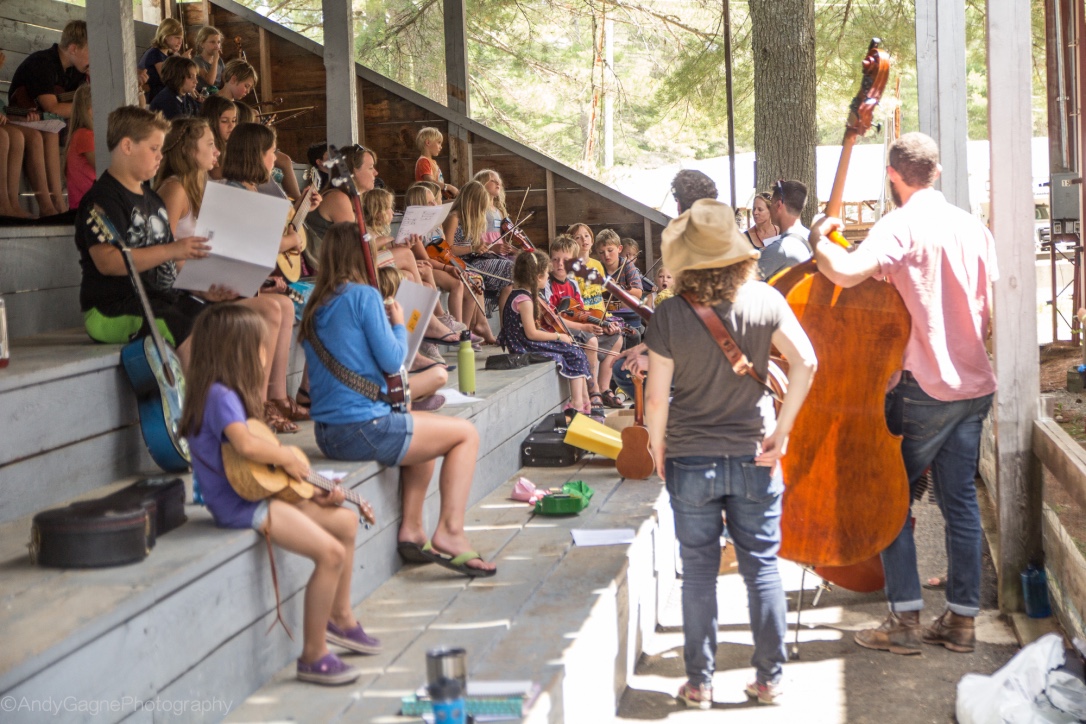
[
  {"x": 329, "y": 670},
  {"x": 355, "y": 640}
]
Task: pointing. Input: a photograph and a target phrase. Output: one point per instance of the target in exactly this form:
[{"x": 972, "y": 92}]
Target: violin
[
  {"x": 517, "y": 237},
  {"x": 438, "y": 250},
  {"x": 575, "y": 312},
  {"x": 240, "y": 49}
]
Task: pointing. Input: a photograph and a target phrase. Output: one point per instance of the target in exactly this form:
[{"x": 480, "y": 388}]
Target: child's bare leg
[
  {"x": 5, "y": 161},
  {"x": 268, "y": 308},
  {"x": 458, "y": 441},
  {"x": 15, "y": 171},
  {"x": 405, "y": 262},
  {"x": 448, "y": 283},
  {"x": 425, "y": 383},
  {"x": 342, "y": 523},
  {"x": 34, "y": 160},
  {"x": 578, "y": 390},
  {"x": 53, "y": 170},
  {"x": 294, "y": 529}
]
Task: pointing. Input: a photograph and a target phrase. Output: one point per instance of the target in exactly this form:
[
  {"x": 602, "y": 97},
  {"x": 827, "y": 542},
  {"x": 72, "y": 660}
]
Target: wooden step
[
  {"x": 571, "y": 619},
  {"x": 204, "y": 595},
  {"x": 39, "y": 278}
]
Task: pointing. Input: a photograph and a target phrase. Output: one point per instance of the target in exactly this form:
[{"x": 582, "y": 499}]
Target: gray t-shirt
[
  {"x": 786, "y": 250},
  {"x": 714, "y": 412},
  {"x": 204, "y": 67}
]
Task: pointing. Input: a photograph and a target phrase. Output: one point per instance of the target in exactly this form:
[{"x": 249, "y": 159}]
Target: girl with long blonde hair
[
  {"x": 357, "y": 328},
  {"x": 169, "y": 40},
  {"x": 466, "y": 227}
]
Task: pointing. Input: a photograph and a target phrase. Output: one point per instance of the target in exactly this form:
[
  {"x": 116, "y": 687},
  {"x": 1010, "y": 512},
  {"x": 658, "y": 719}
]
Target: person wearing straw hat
[{"x": 718, "y": 442}]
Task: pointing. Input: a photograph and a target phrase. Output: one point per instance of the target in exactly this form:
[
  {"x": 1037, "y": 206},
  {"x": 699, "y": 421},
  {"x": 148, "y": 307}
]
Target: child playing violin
[
  {"x": 523, "y": 329},
  {"x": 595, "y": 336},
  {"x": 223, "y": 390}
]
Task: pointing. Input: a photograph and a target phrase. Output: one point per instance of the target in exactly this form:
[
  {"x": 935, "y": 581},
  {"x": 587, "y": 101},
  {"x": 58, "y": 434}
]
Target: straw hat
[{"x": 705, "y": 237}]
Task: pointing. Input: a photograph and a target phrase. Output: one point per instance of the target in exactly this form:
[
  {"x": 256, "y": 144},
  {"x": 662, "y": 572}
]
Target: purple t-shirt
[{"x": 222, "y": 408}]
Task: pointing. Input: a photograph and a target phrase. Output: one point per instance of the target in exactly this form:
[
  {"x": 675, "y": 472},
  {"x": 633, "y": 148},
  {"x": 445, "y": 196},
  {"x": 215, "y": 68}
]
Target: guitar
[
  {"x": 290, "y": 262},
  {"x": 635, "y": 459},
  {"x": 152, "y": 368},
  {"x": 399, "y": 393},
  {"x": 776, "y": 378},
  {"x": 257, "y": 481}
]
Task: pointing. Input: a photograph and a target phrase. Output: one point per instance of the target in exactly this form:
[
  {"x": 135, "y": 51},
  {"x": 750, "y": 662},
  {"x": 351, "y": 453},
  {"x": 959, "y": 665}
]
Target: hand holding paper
[{"x": 421, "y": 220}]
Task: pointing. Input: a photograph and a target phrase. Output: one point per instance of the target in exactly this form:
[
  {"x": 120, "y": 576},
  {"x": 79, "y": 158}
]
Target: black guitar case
[
  {"x": 546, "y": 446},
  {"x": 90, "y": 536},
  {"x": 167, "y": 496}
]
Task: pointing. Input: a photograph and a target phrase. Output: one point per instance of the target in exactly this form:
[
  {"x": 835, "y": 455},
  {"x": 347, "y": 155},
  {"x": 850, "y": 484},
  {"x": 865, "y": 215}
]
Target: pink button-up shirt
[{"x": 942, "y": 262}]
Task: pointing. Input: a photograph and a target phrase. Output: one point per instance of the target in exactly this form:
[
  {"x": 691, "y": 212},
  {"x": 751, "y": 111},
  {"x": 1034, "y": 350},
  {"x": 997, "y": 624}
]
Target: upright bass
[{"x": 847, "y": 494}]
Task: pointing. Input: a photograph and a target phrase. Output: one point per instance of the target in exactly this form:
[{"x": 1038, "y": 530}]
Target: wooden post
[
  {"x": 649, "y": 260},
  {"x": 111, "y": 35},
  {"x": 266, "y": 93},
  {"x": 552, "y": 220},
  {"x": 940, "y": 67},
  {"x": 341, "y": 83},
  {"x": 457, "y": 90},
  {"x": 1010, "y": 124}
]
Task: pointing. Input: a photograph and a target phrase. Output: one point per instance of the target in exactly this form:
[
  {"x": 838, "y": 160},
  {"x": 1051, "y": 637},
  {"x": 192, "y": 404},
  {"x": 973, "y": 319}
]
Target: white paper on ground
[
  {"x": 244, "y": 230},
  {"x": 335, "y": 475},
  {"x": 418, "y": 304},
  {"x": 454, "y": 396},
  {"x": 420, "y": 221},
  {"x": 585, "y": 538}
]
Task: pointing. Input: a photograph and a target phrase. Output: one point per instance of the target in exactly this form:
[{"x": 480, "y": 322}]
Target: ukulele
[
  {"x": 151, "y": 366},
  {"x": 257, "y": 481},
  {"x": 635, "y": 458},
  {"x": 290, "y": 262},
  {"x": 399, "y": 393}
]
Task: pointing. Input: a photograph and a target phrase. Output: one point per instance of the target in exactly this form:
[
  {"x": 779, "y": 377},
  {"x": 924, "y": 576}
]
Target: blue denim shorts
[
  {"x": 384, "y": 439},
  {"x": 260, "y": 514}
]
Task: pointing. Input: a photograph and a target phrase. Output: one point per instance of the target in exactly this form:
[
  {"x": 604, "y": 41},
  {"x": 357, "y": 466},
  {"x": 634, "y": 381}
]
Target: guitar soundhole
[{"x": 271, "y": 468}]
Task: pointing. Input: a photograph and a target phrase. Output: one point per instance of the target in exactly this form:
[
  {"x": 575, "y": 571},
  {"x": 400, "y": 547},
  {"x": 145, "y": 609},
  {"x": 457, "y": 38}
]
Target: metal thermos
[
  {"x": 447, "y": 700},
  {"x": 5, "y": 352},
  {"x": 447, "y": 663}
]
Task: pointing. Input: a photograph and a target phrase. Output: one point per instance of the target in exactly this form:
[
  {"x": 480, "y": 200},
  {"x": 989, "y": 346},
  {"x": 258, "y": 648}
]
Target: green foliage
[{"x": 536, "y": 77}]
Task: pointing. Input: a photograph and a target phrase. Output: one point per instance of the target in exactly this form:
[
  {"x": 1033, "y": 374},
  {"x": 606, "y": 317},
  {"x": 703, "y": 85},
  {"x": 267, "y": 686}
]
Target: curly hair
[
  {"x": 712, "y": 286},
  {"x": 688, "y": 186}
]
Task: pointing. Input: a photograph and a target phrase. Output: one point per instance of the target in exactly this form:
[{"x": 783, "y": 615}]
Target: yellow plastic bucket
[{"x": 587, "y": 434}]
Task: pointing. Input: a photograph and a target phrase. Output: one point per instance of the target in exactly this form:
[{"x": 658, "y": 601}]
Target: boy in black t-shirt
[{"x": 111, "y": 308}]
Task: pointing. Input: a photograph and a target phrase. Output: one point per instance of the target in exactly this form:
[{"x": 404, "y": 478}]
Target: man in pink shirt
[{"x": 942, "y": 262}]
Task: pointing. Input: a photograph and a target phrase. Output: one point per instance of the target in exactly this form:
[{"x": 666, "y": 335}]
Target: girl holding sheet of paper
[{"x": 188, "y": 154}]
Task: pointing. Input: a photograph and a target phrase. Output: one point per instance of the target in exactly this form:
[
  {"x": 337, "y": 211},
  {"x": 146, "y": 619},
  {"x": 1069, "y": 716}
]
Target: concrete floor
[{"x": 834, "y": 680}]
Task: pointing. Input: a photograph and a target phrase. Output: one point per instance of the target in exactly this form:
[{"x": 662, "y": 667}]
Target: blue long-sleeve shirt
[{"x": 353, "y": 327}]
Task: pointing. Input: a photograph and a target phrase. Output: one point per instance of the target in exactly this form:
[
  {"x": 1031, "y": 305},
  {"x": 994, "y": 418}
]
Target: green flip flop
[
  {"x": 460, "y": 563},
  {"x": 412, "y": 552}
]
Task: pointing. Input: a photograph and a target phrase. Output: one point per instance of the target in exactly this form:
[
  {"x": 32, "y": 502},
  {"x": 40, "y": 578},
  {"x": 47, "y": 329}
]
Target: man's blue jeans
[
  {"x": 946, "y": 437},
  {"x": 700, "y": 488}
]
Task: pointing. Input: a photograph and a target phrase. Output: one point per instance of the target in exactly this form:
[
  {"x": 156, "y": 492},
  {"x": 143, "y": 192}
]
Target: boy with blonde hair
[{"x": 428, "y": 141}]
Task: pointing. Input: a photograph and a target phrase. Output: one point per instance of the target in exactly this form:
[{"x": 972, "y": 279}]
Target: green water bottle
[{"x": 465, "y": 364}]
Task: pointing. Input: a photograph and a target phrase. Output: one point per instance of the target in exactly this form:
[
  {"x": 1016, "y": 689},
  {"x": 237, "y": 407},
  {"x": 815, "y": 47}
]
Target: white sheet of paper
[
  {"x": 421, "y": 220},
  {"x": 456, "y": 397},
  {"x": 335, "y": 475},
  {"x": 50, "y": 125},
  {"x": 418, "y": 304},
  {"x": 244, "y": 230},
  {"x": 602, "y": 537}
]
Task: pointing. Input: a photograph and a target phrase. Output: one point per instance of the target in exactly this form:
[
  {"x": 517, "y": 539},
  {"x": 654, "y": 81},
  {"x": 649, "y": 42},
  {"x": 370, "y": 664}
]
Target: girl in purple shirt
[{"x": 224, "y": 382}]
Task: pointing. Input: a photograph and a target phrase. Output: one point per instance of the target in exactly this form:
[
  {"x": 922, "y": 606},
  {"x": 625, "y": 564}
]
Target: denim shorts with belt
[
  {"x": 946, "y": 437},
  {"x": 750, "y": 495}
]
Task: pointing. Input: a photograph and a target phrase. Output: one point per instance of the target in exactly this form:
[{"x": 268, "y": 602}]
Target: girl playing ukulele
[{"x": 224, "y": 385}]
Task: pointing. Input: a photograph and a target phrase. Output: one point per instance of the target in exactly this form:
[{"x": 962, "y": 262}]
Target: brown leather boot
[
  {"x": 898, "y": 634},
  {"x": 955, "y": 632}
]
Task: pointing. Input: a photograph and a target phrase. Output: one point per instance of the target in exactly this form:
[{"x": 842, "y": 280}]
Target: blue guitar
[{"x": 159, "y": 387}]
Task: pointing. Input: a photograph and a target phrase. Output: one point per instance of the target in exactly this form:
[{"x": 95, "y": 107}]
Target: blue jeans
[
  {"x": 700, "y": 488},
  {"x": 946, "y": 437},
  {"x": 622, "y": 378}
]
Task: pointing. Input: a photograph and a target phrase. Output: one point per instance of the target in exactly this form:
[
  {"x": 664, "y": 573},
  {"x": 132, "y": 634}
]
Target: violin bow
[{"x": 525, "y": 198}]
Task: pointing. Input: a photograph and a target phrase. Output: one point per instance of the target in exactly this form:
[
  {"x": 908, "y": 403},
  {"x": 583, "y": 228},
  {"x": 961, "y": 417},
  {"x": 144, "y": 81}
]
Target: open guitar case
[{"x": 117, "y": 529}]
